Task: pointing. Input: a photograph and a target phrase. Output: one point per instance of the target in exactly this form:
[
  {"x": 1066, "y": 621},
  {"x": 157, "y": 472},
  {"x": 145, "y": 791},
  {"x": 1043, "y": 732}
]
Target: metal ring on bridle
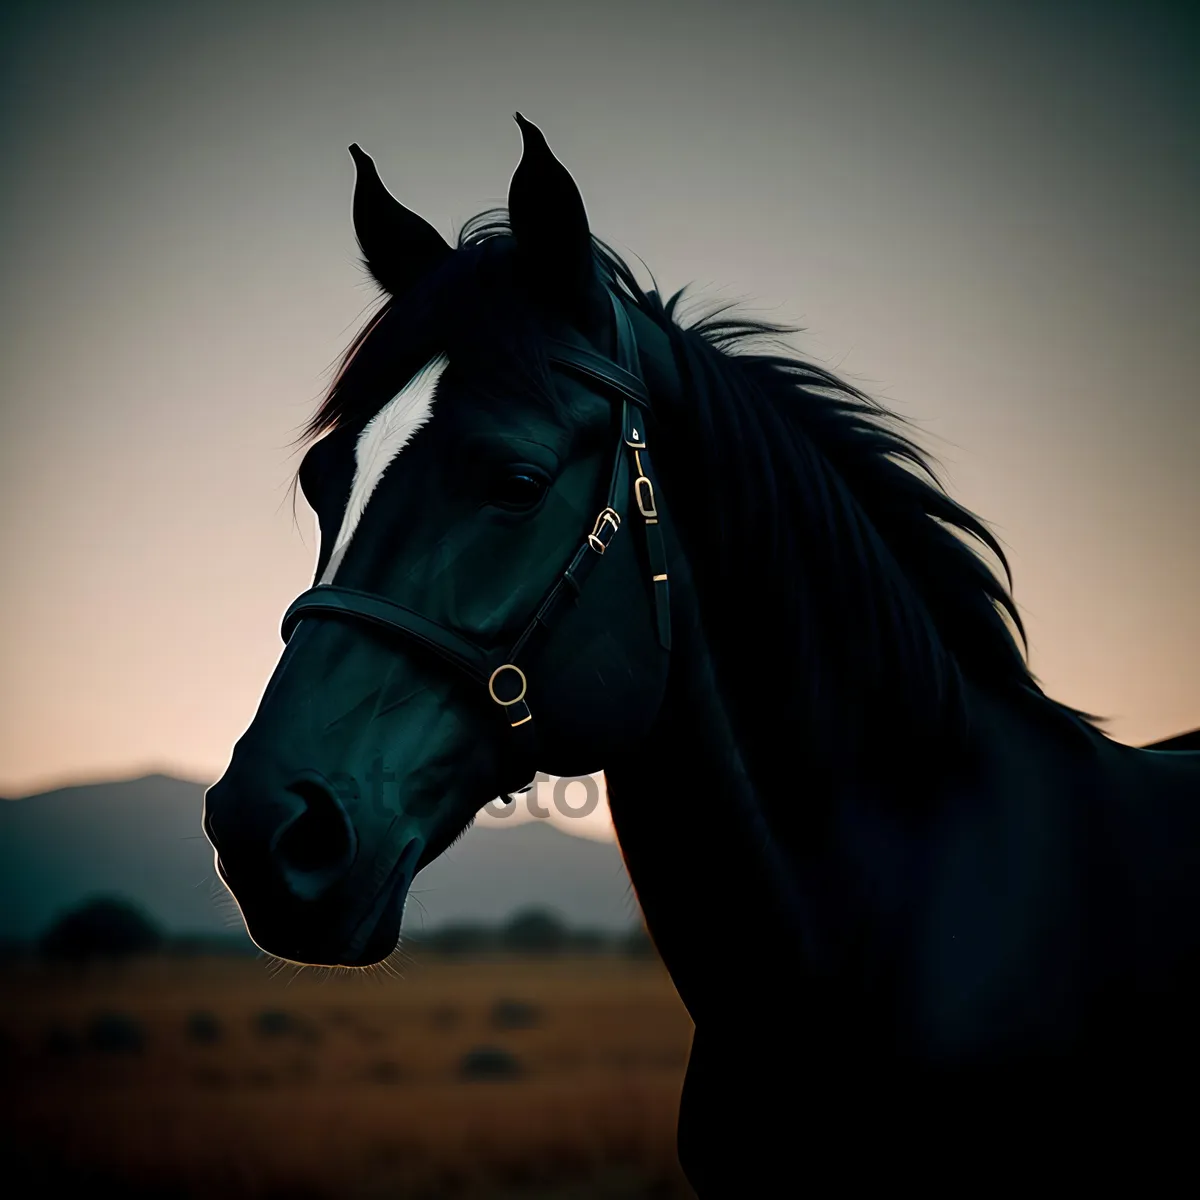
[{"x": 492, "y": 685}]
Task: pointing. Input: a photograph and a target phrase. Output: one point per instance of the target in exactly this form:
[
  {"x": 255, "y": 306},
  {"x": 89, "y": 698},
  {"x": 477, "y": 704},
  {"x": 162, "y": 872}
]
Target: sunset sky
[{"x": 987, "y": 215}]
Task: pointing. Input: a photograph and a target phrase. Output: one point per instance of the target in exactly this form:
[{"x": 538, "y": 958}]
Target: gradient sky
[{"x": 986, "y": 215}]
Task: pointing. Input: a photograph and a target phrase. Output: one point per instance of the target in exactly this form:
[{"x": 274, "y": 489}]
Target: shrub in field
[
  {"x": 203, "y": 1027},
  {"x": 115, "y": 1033},
  {"x": 273, "y": 1023},
  {"x": 105, "y": 928},
  {"x": 489, "y": 1062},
  {"x": 515, "y": 1014}
]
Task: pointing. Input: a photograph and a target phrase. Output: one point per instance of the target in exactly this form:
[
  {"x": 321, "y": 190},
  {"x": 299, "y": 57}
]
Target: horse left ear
[
  {"x": 550, "y": 226},
  {"x": 399, "y": 248}
]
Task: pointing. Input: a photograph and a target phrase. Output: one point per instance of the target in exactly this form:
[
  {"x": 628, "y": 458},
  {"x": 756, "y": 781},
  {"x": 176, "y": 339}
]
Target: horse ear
[
  {"x": 550, "y": 226},
  {"x": 399, "y": 248}
]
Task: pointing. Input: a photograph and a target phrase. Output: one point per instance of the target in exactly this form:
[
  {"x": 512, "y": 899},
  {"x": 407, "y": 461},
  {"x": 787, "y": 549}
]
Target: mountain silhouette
[{"x": 140, "y": 839}]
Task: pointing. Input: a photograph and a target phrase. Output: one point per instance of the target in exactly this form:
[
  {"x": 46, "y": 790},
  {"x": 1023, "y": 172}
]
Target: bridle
[{"x": 501, "y": 673}]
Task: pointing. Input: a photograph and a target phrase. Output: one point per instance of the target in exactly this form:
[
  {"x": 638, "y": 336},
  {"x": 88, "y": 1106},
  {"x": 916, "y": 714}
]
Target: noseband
[{"x": 501, "y": 673}]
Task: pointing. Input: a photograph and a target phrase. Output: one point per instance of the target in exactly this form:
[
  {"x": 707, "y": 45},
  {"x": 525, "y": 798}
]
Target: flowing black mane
[{"x": 829, "y": 522}]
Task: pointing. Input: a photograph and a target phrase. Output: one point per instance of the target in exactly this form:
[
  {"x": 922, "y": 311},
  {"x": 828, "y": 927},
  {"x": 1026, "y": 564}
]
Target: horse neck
[
  {"x": 711, "y": 878},
  {"x": 733, "y": 855}
]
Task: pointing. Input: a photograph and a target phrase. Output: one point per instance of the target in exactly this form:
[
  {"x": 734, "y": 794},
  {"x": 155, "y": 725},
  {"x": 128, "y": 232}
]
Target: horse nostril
[{"x": 316, "y": 847}]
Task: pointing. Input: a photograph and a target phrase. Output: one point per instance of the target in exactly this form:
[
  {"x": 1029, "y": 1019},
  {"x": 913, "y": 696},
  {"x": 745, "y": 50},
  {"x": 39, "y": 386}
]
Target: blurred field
[{"x": 212, "y": 1077}]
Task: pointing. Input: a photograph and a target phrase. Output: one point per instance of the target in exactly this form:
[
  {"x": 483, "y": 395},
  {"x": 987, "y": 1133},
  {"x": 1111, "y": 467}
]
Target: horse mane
[
  {"x": 840, "y": 585},
  {"x": 844, "y": 589}
]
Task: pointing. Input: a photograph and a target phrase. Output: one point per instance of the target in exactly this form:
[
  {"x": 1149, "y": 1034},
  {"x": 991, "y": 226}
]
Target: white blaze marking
[{"x": 384, "y": 436}]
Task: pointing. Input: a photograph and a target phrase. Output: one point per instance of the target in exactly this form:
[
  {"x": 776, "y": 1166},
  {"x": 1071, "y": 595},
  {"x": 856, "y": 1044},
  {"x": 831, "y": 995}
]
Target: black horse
[{"x": 932, "y": 926}]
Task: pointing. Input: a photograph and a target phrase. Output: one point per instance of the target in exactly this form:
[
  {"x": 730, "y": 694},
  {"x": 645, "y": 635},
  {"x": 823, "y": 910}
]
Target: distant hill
[{"x": 141, "y": 838}]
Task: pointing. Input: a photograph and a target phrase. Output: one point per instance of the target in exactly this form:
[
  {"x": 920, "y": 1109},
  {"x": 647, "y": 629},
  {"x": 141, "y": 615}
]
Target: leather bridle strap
[{"x": 502, "y": 674}]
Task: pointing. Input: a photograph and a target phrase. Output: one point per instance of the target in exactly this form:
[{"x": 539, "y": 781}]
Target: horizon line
[{"x": 176, "y": 774}]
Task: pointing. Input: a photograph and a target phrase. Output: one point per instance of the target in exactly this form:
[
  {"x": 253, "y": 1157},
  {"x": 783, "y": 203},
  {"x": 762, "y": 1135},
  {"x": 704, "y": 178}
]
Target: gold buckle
[
  {"x": 647, "y": 511},
  {"x": 613, "y": 518},
  {"x": 492, "y": 682}
]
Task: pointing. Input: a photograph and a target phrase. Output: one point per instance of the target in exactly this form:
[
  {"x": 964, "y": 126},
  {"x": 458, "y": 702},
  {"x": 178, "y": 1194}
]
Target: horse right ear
[
  {"x": 399, "y": 248},
  {"x": 550, "y": 226}
]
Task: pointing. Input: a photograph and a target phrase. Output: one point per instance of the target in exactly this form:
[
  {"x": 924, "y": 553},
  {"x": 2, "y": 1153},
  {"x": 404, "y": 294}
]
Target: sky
[{"x": 986, "y": 215}]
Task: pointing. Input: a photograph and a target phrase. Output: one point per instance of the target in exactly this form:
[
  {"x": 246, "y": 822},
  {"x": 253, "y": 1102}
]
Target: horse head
[{"x": 484, "y": 452}]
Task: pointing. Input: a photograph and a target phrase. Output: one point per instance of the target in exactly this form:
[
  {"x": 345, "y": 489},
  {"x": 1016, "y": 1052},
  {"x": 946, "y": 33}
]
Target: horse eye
[{"x": 520, "y": 490}]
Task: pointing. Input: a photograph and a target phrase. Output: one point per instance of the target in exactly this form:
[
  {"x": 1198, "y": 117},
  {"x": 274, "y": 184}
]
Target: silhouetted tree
[
  {"x": 535, "y": 931},
  {"x": 489, "y": 1062},
  {"x": 105, "y": 928},
  {"x": 464, "y": 939}
]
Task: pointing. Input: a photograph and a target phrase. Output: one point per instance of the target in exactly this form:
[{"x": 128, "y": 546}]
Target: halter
[{"x": 500, "y": 673}]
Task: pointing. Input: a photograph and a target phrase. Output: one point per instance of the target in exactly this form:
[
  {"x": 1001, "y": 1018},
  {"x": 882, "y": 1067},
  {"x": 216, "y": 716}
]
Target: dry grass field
[{"x": 212, "y": 1077}]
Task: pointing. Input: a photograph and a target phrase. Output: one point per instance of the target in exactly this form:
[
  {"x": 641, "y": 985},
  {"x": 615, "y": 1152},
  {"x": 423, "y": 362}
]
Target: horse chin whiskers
[{"x": 387, "y": 968}]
